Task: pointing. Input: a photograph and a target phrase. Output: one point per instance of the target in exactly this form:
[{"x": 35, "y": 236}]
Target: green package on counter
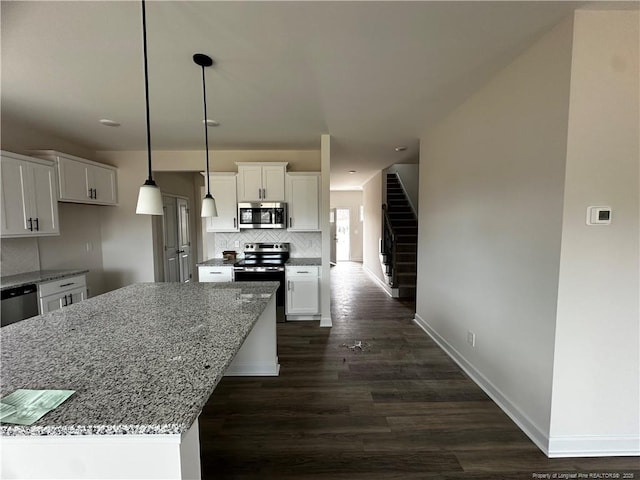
[{"x": 25, "y": 407}]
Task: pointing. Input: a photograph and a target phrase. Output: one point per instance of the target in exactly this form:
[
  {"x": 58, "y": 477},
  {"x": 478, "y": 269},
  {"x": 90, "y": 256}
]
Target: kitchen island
[{"x": 143, "y": 360}]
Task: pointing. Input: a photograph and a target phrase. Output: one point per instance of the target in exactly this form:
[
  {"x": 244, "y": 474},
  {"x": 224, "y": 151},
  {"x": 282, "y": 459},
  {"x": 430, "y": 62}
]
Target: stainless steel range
[{"x": 264, "y": 262}]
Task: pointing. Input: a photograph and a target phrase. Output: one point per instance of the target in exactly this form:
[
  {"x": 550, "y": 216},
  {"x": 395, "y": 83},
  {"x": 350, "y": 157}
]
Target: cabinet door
[
  {"x": 302, "y": 295},
  {"x": 224, "y": 190},
  {"x": 74, "y": 180},
  {"x": 103, "y": 181},
  {"x": 14, "y": 203},
  {"x": 44, "y": 200},
  {"x": 29, "y": 199},
  {"x": 303, "y": 202},
  {"x": 76, "y": 296},
  {"x": 51, "y": 303},
  {"x": 249, "y": 183},
  {"x": 273, "y": 183}
]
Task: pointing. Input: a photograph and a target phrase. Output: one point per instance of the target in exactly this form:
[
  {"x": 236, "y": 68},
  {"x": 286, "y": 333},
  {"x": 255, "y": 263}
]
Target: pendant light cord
[
  {"x": 206, "y": 131},
  {"x": 146, "y": 91}
]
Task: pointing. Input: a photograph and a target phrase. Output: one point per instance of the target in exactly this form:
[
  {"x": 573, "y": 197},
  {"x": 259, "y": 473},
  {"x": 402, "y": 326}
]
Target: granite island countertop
[
  {"x": 143, "y": 359},
  {"x": 37, "y": 276}
]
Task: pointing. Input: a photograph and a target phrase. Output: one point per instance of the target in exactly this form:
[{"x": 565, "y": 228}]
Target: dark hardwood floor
[{"x": 397, "y": 408}]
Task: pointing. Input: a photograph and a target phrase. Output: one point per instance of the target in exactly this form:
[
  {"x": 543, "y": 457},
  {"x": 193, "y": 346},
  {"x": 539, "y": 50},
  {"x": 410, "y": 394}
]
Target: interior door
[
  {"x": 333, "y": 236},
  {"x": 184, "y": 240},
  {"x": 170, "y": 235}
]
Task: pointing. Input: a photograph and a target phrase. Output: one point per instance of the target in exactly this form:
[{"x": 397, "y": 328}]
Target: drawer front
[
  {"x": 215, "y": 274},
  {"x": 303, "y": 271},
  {"x": 61, "y": 285}
]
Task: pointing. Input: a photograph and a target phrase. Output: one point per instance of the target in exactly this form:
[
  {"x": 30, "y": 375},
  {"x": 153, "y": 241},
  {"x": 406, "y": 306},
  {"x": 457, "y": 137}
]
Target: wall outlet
[
  {"x": 237, "y": 244},
  {"x": 471, "y": 338}
]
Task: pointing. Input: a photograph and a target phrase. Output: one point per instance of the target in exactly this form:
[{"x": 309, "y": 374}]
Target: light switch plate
[{"x": 599, "y": 215}]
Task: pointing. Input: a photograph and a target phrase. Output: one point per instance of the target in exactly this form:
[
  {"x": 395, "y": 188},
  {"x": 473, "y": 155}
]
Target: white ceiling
[{"x": 374, "y": 75}]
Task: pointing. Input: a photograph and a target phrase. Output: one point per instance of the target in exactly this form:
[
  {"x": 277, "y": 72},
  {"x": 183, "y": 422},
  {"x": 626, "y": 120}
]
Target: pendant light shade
[
  {"x": 209, "y": 208},
  {"x": 149, "y": 197}
]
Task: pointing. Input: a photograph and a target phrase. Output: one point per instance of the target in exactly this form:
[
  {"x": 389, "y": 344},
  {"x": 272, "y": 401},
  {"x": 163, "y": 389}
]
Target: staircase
[{"x": 399, "y": 240}]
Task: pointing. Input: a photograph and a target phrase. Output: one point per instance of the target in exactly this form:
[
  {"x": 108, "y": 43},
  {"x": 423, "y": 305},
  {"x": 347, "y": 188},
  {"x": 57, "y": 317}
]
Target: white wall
[
  {"x": 351, "y": 200},
  {"x": 325, "y": 280},
  {"x": 490, "y": 218},
  {"x": 127, "y": 241},
  {"x": 79, "y": 244},
  {"x": 372, "y": 226},
  {"x": 596, "y": 400}
]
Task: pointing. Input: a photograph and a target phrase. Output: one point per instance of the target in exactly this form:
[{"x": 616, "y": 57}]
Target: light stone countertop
[
  {"x": 143, "y": 359},
  {"x": 304, "y": 262},
  {"x": 217, "y": 262},
  {"x": 38, "y": 276},
  {"x": 292, "y": 262}
]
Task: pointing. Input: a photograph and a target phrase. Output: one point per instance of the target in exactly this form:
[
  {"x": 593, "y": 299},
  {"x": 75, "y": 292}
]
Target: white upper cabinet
[
  {"x": 303, "y": 202},
  {"x": 223, "y": 189},
  {"x": 29, "y": 197},
  {"x": 83, "y": 181},
  {"x": 261, "y": 182}
]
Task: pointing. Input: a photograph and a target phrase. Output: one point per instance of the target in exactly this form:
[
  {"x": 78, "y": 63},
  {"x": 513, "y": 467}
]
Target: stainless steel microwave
[{"x": 262, "y": 215}]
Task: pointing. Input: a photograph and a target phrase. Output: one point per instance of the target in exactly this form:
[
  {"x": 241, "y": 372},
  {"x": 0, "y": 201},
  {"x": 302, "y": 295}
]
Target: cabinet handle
[
  {"x": 67, "y": 284},
  {"x": 234, "y": 223},
  {"x": 289, "y": 285},
  {"x": 95, "y": 193},
  {"x": 70, "y": 299},
  {"x": 66, "y": 302},
  {"x": 30, "y": 224},
  {"x": 302, "y": 271},
  {"x": 290, "y": 222},
  {"x": 264, "y": 193},
  {"x": 215, "y": 273},
  {"x": 37, "y": 224}
]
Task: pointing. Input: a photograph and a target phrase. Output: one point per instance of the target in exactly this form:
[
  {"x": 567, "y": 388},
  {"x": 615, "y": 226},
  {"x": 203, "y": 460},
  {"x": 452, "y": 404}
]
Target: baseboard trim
[
  {"x": 389, "y": 291},
  {"x": 326, "y": 322},
  {"x": 253, "y": 370},
  {"x": 525, "y": 424},
  {"x": 594, "y": 446}
]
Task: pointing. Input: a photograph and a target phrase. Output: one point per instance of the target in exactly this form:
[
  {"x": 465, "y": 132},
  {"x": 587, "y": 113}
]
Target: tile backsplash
[
  {"x": 19, "y": 255},
  {"x": 303, "y": 244}
]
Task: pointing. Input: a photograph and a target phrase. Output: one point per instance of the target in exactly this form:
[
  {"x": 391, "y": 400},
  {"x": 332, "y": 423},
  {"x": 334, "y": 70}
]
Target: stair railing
[{"x": 389, "y": 245}]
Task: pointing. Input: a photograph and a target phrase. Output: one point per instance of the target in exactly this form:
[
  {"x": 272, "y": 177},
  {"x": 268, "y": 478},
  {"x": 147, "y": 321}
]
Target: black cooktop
[{"x": 255, "y": 262}]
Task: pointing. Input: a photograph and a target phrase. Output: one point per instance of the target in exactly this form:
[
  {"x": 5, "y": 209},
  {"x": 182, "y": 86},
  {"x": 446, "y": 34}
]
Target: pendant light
[
  {"x": 149, "y": 198},
  {"x": 208, "y": 202}
]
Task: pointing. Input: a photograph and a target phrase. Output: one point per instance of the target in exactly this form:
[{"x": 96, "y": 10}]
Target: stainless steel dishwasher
[{"x": 18, "y": 303}]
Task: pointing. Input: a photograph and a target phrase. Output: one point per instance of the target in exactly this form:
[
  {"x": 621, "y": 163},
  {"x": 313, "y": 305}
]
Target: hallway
[{"x": 397, "y": 407}]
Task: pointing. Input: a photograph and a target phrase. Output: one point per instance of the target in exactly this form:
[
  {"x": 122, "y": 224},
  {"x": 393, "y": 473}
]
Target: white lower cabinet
[
  {"x": 215, "y": 274},
  {"x": 303, "y": 292},
  {"x": 61, "y": 293}
]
